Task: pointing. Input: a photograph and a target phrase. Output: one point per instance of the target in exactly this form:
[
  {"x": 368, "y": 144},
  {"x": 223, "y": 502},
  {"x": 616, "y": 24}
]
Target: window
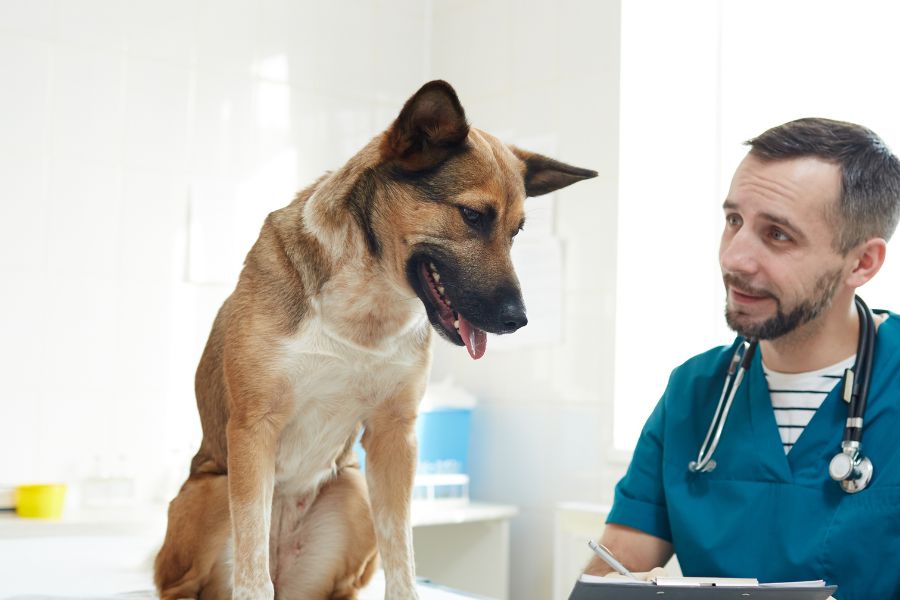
[{"x": 697, "y": 80}]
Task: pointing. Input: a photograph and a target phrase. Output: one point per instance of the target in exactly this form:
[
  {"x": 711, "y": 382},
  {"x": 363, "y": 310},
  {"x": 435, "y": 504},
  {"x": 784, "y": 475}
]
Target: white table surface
[{"x": 109, "y": 553}]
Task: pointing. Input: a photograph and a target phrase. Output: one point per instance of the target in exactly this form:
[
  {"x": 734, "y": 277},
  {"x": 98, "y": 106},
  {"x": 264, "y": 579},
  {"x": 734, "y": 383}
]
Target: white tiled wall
[
  {"x": 120, "y": 123},
  {"x": 536, "y": 72},
  {"x": 116, "y": 119}
]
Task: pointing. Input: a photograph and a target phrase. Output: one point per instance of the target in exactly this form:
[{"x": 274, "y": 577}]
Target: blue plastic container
[{"x": 443, "y": 435}]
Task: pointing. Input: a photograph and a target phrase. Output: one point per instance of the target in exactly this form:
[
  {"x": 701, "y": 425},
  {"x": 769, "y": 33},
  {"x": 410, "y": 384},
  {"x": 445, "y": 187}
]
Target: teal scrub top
[{"x": 762, "y": 513}]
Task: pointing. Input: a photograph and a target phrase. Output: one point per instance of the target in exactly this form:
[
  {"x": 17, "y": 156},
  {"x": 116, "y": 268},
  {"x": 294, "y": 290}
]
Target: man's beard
[{"x": 783, "y": 322}]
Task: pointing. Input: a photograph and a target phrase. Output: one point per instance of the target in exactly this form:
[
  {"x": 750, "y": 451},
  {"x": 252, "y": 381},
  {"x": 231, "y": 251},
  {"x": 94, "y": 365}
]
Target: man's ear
[
  {"x": 544, "y": 175},
  {"x": 431, "y": 126},
  {"x": 869, "y": 258}
]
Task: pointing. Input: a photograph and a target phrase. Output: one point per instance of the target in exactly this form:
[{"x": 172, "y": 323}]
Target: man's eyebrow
[{"x": 778, "y": 220}]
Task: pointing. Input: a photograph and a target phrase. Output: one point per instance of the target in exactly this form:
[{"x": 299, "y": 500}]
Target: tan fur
[{"x": 322, "y": 336}]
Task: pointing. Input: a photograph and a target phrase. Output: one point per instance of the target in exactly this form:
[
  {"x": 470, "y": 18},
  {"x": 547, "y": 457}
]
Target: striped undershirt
[{"x": 797, "y": 396}]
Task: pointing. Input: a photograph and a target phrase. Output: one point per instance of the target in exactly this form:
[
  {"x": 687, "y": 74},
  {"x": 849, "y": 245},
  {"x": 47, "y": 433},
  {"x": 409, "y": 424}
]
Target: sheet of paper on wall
[{"x": 538, "y": 264}]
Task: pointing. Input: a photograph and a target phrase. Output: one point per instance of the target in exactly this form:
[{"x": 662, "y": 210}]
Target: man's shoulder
[
  {"x": 709, "y": 362},
  {"x": 888, "y": 337},
  {"x": 698, "y": 373},
  {"x": 890, "y": 321}
]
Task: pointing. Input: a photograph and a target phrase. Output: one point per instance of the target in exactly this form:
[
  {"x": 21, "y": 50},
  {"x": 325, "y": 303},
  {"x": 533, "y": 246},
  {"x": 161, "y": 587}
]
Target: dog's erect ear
[
  {"x": 544, "y": 175},
  {"x": 430, "y": 127}
]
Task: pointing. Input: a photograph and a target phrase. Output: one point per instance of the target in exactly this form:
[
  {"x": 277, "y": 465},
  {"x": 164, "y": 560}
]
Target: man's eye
[
  {"x": 780, "y": 236},
  {"x": 733, "y": 220},
  {"x": 473, "y": 217}
]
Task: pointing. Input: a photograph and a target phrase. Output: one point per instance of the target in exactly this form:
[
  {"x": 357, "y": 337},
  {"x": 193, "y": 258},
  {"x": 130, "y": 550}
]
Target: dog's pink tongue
[{"x": 474, "y": 338}]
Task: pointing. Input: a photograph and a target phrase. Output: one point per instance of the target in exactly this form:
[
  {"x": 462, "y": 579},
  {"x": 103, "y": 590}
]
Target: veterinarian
[{"x": 793, "y": 486}]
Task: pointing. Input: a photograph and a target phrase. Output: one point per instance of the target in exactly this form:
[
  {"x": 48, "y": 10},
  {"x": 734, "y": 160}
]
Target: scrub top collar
[{"x": 821, "y": 438}]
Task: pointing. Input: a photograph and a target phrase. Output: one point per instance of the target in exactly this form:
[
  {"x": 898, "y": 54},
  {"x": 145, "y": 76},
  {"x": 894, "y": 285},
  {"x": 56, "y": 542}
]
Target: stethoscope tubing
[
  {"x": 858, "y": 378},
  {"x": 740, "y": 362},
  {"x": 862, "y": 373}
]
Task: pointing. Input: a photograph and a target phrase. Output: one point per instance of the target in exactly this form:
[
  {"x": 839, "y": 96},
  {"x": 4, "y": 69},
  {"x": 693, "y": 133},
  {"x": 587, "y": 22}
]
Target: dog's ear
[
  {"x": 544, "y": 175},
  {"x": 431, "y": 126}
]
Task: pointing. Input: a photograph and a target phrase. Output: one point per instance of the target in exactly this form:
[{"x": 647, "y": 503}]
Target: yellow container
[{"x": 40, "y": 501}]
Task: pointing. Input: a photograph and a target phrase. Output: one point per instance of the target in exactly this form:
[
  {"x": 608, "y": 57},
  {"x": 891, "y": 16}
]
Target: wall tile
[
  {"x": 163, "y": 29},
  {"x": 86, "y": 105},
  {"x": 287, "y": 39},
  {"x": 156, "y": 115},
  {"x": 401, "y": 65},
  {"x": 471, "y": 47},
  {"x": 226, "y": 35},
  {"x": 23, "y": 210},
  {"x": 34, "y": 18},
  {"x": 344, "y": 48},
  {"x": 82, "y": 221},
  {"x": 94, "y": 24},
  {"x": 152, "y": 220},
  {"x": 223, "y": 137},
  {"x": 534, "y": 45},
  {"x": 25, "y": 65}
]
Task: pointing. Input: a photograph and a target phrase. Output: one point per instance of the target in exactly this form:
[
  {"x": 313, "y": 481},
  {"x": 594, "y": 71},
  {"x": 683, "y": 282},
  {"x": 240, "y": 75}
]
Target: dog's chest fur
[{"x": 357, "y": 347}]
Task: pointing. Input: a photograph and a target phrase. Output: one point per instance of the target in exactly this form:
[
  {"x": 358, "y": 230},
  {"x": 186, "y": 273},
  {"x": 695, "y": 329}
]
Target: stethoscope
[{"x": 848, "y": 467}]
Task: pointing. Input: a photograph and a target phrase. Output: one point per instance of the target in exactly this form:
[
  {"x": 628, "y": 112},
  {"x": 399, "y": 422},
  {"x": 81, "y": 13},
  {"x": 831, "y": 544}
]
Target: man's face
[{"x": 778, "y": 263}]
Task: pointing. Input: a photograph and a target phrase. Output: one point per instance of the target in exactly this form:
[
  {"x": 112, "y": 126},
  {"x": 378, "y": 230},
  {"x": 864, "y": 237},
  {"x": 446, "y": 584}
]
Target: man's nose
[{"x": 738, "y": 253}]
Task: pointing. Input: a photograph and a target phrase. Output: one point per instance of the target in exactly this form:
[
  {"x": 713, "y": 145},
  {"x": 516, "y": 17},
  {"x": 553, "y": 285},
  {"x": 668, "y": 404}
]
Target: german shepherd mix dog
[{"x": 328, "y": 332}]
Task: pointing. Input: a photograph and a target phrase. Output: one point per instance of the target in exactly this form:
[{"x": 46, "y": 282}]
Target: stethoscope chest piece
[
  {"x": 852, "y": 470},
  {"x": 848, "y": 467}
]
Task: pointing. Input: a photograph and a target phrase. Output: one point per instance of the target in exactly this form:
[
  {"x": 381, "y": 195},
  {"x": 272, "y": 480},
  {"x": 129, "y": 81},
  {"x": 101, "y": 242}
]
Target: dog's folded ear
[
  {"x": 431, "y": 126},
  {"x": 544, "y": 175}
]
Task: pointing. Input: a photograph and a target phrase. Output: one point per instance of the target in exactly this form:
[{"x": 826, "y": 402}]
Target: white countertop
[
  {"x": 104, "y": 553},
  {"x": 151, "y": 519}
]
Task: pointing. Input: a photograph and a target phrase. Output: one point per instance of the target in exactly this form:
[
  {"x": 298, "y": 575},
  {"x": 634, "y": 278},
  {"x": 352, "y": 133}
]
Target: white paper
[
  {"x": 706, "y": 581},
  {"x": 806, "y": 584},
  {"x": 612, "y": 579}
]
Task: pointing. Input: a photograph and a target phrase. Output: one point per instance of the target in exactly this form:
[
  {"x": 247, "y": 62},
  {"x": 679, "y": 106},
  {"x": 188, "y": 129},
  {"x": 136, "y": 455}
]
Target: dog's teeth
[
  {"x": 436, "y": 276},
  {"x": 432, "y": 267},
  {"x": 456, "y": 323},
  {"x": 441, "y": 289},
  {"x": 447, "y": 300}
]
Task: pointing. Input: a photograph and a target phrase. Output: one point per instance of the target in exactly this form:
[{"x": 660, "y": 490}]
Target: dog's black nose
[{"x": 512, "y": 315}]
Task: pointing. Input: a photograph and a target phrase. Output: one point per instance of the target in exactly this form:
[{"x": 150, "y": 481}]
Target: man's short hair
[{"x": 869, "y": 205}]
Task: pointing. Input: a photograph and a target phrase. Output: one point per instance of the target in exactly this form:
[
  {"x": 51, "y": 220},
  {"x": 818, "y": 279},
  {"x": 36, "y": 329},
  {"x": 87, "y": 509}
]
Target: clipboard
[{"x": 630, "y": 591}]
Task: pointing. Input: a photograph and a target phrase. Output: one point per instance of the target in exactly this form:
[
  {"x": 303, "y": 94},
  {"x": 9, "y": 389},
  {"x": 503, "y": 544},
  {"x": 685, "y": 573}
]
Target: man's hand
[{"x": 637, "y": 550}]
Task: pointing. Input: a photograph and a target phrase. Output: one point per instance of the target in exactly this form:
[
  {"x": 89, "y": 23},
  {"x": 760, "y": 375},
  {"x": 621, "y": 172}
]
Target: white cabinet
[{"x": 464, "y": 547}]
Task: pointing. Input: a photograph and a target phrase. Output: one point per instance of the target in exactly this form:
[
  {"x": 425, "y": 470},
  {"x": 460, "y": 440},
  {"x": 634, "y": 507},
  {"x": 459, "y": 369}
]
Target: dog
[{"x": 328, "y": 333}]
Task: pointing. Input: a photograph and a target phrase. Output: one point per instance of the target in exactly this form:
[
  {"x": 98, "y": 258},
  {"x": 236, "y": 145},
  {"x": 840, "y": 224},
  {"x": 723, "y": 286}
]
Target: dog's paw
[
  {"x": 260, "y": 592},
  {"x": 411, "y": 595},
  {"x": 407, "y": 593}
]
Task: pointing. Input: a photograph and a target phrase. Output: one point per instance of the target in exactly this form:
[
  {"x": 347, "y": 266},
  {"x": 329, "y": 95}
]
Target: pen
[{"x": 601, "y": 551}]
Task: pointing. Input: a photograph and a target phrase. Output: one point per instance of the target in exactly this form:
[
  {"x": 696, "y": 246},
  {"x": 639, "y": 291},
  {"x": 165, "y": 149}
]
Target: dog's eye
[{"x": 473, "y": 217}]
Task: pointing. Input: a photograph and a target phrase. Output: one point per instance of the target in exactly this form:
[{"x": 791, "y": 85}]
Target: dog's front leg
[
  {"x": 251, "y": 481},
  {"x": 390, "y": 444}
]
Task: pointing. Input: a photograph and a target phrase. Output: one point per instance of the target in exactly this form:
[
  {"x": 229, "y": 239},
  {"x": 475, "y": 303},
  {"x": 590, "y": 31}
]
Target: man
[{"x": 807, "y": 218}]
